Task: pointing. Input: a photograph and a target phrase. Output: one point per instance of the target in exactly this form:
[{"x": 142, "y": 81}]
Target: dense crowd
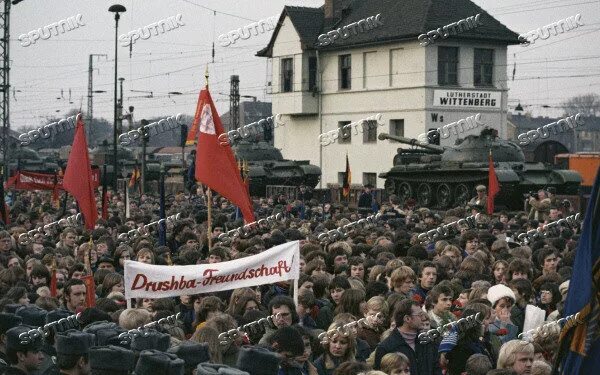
[{"x": 380, "y": 273}]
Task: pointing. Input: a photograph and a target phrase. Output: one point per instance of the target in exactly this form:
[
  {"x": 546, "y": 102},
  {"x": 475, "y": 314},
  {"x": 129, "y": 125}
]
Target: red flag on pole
[
  {"x": 90, "y": 290},
  {"x": 53, "y": 283},
  {"x": 493, "y": 186},
  {"x": 78, "y": 176},
  {"x": 192, "y": 135},
  {"x": 215, "y": 164},
  {"x": 347, "y": 178}
]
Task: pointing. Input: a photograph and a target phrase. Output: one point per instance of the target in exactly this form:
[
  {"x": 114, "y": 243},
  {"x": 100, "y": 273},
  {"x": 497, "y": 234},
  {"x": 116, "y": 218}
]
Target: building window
[
  {"x": 397, "y": 128},
  {"x": 345, "y": 72},
  {"x": 287, "y": 75},
  {"x": 312, "y": 72},
  {"x": 345, "y": 135},
  {"x": 341, "y": 178},
  {"x": 369, "y": 131},
  {"x": 370, "y": 179},
  {"x": 448, "y": 66},
  {"x": 483, "y": 67}
]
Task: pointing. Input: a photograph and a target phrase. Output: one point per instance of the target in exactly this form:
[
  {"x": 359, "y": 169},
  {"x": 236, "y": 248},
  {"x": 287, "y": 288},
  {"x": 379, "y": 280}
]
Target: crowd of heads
[{"x": 381, "y": 274}]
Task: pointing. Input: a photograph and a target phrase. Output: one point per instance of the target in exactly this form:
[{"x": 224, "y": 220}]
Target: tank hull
[{"x": 447, "y": 187}]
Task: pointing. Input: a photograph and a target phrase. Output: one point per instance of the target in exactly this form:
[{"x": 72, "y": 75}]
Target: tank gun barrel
[{"x": 412, "y": 142}]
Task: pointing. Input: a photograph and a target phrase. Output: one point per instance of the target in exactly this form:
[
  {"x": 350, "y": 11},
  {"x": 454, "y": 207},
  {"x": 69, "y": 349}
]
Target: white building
[{"x": 382, "y": 70}]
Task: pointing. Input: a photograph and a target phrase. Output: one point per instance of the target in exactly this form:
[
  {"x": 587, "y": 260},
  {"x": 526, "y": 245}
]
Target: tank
[
  {"x": 268, "y": 167},
  {"x": 126, "y": 159},
  {"x": 442, "y": 176},
  {"x": 28, "y": 159}
]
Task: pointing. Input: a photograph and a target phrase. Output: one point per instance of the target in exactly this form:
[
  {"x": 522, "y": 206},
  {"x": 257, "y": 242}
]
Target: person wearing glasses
[{"x": 423, "y": 358}]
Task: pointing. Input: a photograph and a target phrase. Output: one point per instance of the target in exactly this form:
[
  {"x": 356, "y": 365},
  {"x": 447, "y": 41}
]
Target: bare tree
[{"x": 587, "y": 105}]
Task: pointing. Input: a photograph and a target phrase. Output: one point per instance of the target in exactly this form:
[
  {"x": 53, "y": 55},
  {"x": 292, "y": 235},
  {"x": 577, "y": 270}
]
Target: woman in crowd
[
  {"x": 340, "y": 347},
  {"x": 395, "y": 364},
  {"x": 502, "y": 299}
]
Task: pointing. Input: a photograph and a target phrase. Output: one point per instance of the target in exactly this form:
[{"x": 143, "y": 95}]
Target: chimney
[{"x": 333, "y": 11}]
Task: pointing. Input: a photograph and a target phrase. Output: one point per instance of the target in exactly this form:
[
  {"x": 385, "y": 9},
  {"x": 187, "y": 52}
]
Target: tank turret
[
  {"x": 412, "y": 142},
  {"x": 445, "y": 177},
  {"x": 268, "y": 167}
]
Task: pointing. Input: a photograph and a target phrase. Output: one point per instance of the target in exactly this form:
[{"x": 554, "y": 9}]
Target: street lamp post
[{"x": 116, "y": 9}]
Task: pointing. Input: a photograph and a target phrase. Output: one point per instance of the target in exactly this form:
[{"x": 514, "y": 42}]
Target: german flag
[
  {"x": 347, "y": 178},
  {"x": 135, "y": 177}
]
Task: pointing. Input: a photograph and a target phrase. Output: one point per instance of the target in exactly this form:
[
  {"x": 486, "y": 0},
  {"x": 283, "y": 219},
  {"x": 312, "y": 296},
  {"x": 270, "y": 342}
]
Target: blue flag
[{"x": 580, "y": 346}]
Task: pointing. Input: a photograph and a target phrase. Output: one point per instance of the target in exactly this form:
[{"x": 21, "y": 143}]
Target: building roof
[{"x": 402, "y": 20}]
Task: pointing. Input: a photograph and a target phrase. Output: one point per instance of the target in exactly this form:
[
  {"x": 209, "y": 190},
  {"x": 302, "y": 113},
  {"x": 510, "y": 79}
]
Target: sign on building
[{"x": 466, "y": 98}]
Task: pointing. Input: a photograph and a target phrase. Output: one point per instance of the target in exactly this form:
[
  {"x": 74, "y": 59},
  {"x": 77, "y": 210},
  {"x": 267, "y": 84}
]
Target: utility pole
[
  {"x": 5, "y": 84},
  {"x": 90, "y": 101},
  {"x": 234, "y": 103}
]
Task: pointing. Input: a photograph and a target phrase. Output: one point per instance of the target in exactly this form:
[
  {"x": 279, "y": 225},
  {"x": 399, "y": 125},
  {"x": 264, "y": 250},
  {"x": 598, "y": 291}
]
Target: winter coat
[{"x": 424, "y": 360}]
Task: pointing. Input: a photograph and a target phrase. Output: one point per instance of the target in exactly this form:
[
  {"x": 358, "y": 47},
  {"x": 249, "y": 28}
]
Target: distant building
[
  {"x": 384, "y": 70},
  {"x": 584, "y": 138}
]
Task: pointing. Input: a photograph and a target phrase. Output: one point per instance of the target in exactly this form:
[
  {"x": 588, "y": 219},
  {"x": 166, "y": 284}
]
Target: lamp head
[{"x": 117, "y": 8}]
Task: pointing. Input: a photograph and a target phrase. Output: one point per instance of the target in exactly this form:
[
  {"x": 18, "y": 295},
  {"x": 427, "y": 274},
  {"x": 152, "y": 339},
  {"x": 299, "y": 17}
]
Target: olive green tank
[
  {"x": 443, "y": 177},
  {"x": 268, "y": 167}
]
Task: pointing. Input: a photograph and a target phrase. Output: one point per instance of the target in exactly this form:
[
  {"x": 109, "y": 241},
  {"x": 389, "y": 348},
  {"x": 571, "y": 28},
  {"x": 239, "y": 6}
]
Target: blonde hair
[
  {"x": 134, "y": 318},
  {"x": 508, "y": 352},
  {"x": 401, "y": 274},
  {"x": 541, "y": 368},
  {"x": 378, "y": 303},
  {"x": 347, "y": 335},
  {"x": 392, "y": 361}
]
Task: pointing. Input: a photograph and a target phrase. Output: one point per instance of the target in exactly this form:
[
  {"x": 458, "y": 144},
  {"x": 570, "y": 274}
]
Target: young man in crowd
[
  {"x": 516, "y": 355},
  {"x": 427, "y": 279},
  {"x": 423, "y": 358}
]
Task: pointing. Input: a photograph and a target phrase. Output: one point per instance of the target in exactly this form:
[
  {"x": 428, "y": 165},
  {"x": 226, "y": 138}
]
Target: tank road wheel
[
  {"x": 404, "y": 191},
  {"x": 444, "y": 195},
  {"x": 461, "y": 193},
  {"x": 390, "y": 186},
  {"x": 424, "y": 194}
]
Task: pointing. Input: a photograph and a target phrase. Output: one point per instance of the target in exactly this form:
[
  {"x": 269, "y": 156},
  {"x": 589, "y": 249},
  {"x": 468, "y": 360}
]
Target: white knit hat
[{"x": 498, "y": 291}]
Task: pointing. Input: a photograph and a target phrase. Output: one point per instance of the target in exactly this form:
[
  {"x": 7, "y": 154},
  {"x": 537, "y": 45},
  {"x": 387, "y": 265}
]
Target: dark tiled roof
[{"x": 402, "y": 19}]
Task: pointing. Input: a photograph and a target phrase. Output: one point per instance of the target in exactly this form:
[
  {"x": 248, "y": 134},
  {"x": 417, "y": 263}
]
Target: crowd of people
[{"x": 381, "y": 273}]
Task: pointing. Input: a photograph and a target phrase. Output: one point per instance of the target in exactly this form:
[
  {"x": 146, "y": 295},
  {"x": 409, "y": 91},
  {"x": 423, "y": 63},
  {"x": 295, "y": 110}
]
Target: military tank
[
  {"x": 103, "y": 154},
  {"x": 268, "y": 167},
  {"x": 27, "y": 159},
  {"x": 445, "y": 177}
]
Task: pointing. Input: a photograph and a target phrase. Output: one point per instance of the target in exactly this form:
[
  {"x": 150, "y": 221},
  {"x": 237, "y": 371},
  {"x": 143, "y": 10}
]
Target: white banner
[
  {"x": 464, "y": 98},
  {"x": 279, "y": 263}
]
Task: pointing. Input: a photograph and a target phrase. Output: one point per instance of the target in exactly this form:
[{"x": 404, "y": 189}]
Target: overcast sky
[{"x": 175, "y": 60}]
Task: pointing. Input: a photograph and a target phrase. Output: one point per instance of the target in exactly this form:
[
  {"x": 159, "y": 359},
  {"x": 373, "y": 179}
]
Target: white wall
[{"x": 397, "y": 81}]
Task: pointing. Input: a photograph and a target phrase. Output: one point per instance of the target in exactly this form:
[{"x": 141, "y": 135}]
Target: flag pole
[{"x": 209, "y": 192}]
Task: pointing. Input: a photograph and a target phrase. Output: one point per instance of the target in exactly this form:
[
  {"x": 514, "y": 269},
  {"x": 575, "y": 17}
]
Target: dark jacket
[
  {"x": 320, "y": 365},
  {"x": 424, "y": 360}
]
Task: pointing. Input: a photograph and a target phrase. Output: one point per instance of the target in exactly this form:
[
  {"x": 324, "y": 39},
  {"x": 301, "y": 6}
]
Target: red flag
[
  {"x": 105, "y": 205},
  {"x": 53, "y": 283},
  {"x": 192, "y": 135},
  {"x": 78, "y": 176},
  {"x": 347, "y": 178},
  {"x": 215, "y": 164},
  {"x": 493, "y": 186},
  {"x": 90, "y": 290}
]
